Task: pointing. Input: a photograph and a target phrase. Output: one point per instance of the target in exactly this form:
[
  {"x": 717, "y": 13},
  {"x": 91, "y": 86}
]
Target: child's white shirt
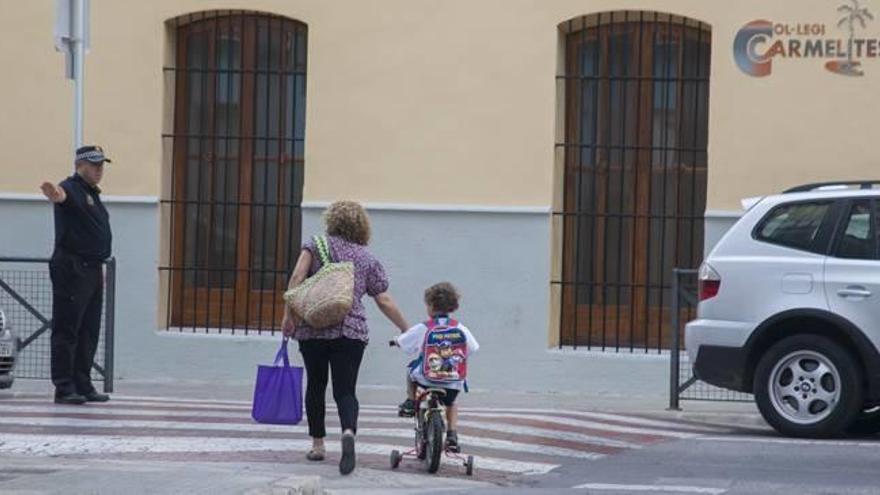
[{"x": 412, "y": 341}]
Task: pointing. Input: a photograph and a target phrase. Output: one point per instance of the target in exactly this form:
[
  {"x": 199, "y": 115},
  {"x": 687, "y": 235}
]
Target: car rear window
[{"x": 794, "y": 225}]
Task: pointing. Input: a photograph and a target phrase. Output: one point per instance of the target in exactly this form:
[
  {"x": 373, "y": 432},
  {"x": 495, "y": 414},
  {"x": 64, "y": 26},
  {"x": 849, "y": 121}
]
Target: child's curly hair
[
  {"x": 348, "y": 220},
  {"x": 442, "y": 298}
]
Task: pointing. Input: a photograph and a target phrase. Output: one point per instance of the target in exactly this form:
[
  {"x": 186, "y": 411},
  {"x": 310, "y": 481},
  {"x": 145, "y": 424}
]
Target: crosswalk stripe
[
  {"x": 482, "y": 442},
  {"x": 508, "y": 422},
  {"x": 57, "y": 445},
  {"x": 583, "y": 424},
  {"x": 542, "y": 432},
  {"x": 102, "y": 409},
  {"x": 792, "y": 441},
  {"x": 244, "y": 423},
  {"x": 176, "y": 400},
  {"x": 618, "y": 418},
  {"x": 547, "y": 420},
  {"x": 651, "y": 488},
  {"x": 504, "y": 440}
]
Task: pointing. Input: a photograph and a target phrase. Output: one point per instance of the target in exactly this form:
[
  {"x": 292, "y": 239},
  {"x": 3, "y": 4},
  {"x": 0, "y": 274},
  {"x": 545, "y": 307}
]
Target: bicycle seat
[{"x": 438, "y": 391}]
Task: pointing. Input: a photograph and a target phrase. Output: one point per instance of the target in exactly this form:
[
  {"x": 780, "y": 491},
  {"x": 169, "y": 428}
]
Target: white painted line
[
  {"x": 145, "y": 399},
  {"x": 107, "y": 411},
  {"x": 651, "y": 488},
  {"x": 582, "y": 424},
  {"x": 57, "y": 445},
  {"x": 791, "y": 441},
  {"x": 620, "y": 418},
  {"x": 246, "y": 405},
  {"x": 514, "y": 430},
  {"x": 658, "y": 423},
  {"x": 404, "y": 430},
  {"x": 551, "y": 414},
  {"x": 366, "y": 416},
  {"x": 182, "y": 405},
  {"x": 405, "y": 426},
  {"x": 489, "y": 443},
  {"x": 151, "y": 425}
]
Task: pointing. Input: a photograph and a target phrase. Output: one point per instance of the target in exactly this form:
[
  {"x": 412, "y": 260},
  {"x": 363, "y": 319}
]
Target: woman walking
[{"x": 340, "y": 347}]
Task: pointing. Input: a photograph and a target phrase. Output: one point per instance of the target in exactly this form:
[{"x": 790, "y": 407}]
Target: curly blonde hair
[
  {"x": 348, "y": 220},
  {"x": 442, "y": 298}
]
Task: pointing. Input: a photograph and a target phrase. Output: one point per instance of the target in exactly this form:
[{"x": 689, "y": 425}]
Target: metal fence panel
[
  {"x": 683, "y": 384},
  {"x": 26, "y": 299}
]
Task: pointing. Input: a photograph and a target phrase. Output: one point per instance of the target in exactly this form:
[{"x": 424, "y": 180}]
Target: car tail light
[{"x": 710, "y": 282}]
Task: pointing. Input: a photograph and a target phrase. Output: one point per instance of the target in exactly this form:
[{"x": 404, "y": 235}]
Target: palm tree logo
[{"x": 851, "y": 14}]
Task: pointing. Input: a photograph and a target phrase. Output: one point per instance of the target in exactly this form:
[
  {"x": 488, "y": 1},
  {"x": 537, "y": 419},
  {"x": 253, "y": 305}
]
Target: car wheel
[{"x": 808, "y": 386}]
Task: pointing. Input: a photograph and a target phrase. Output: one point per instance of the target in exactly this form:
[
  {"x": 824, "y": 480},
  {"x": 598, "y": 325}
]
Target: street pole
[
  {"x": 79, "y": 55},
  {"x": 675, "y": 349}
]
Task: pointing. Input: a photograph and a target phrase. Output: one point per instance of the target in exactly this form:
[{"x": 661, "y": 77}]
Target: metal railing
[
  {"x": 683, "y": 385},
  {"x": 26, "y": 298}
]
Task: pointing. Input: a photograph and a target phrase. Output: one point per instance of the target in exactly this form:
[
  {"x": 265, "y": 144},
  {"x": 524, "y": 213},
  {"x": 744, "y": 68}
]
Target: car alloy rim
[{"x": 804, "y": 387}]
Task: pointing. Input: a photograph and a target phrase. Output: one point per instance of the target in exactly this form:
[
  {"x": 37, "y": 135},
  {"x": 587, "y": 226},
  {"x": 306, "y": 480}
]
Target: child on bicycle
[{"x": 444, "y": 359}]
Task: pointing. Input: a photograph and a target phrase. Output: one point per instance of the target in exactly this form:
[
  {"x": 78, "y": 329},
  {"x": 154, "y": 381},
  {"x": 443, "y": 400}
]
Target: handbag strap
[
  {"x": 323, "y": 249},
  {"x": 282, "y": 354}
]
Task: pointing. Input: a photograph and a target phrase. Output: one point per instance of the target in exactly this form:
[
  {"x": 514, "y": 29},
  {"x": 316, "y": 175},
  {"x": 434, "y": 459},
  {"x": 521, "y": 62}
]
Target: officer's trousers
[{"x": 77, "y": 299}]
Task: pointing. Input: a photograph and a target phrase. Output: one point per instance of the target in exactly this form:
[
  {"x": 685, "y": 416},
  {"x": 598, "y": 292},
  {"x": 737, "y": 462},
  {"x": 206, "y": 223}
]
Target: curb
[{"x": 734, "y": 420}]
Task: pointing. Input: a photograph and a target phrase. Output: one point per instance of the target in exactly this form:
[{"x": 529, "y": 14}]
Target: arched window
[
  {"x": 636, "y": 88},
  {"x": 237, "y": 176}
]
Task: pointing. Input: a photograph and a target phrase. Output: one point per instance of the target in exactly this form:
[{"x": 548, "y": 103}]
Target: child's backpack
[{"x": 444, "y": 352}]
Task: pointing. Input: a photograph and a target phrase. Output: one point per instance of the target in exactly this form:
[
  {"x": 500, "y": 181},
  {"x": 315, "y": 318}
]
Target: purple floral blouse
[{"x": 369, "y": 278}]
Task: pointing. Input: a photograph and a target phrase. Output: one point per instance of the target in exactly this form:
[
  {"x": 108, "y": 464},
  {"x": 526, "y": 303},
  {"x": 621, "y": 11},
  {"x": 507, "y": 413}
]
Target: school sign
[{"x": 760, "y": 43}]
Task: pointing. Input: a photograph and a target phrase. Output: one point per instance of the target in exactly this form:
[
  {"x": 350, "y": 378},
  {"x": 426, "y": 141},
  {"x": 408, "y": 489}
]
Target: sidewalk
[
  {"x": 592, "y": 397},
  {"x": 605, "y": 382}
]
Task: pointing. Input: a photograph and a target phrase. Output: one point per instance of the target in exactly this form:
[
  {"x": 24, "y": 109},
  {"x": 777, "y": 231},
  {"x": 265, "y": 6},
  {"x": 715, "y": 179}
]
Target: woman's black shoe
[{"x": 347, "y": 462}]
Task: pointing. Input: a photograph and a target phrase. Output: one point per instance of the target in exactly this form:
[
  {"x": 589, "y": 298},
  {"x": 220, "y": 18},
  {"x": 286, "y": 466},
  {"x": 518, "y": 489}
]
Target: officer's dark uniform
[{"x": 82, "y": 242}]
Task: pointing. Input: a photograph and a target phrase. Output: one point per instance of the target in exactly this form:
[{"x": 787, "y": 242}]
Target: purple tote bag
[{"x": 278, "y": 392}]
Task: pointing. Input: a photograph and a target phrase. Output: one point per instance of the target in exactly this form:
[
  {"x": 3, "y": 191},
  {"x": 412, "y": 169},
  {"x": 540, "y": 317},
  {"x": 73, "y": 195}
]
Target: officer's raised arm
[{"x": 55, "y": 193}]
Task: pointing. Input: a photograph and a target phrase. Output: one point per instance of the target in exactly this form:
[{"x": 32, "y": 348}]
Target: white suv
[{"x": 790, "y": 309}]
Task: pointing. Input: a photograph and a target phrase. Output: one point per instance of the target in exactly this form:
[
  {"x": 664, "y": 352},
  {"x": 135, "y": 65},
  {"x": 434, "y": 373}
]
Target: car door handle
[{"x": 854, "y": 292}]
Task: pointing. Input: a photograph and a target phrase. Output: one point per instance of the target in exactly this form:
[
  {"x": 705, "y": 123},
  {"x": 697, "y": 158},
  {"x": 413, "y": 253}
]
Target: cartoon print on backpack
[{"x": 445, "y": 353}]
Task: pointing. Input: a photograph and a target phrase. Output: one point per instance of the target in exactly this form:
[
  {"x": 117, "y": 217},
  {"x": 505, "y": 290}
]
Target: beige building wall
[{"x": 412, "y": 101}]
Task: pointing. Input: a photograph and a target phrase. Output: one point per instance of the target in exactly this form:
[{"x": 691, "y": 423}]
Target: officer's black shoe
[
  {"x": 406, "y": 409},
  {"x": 71, "y": 398},
  {"x": 96, "y": 397}
]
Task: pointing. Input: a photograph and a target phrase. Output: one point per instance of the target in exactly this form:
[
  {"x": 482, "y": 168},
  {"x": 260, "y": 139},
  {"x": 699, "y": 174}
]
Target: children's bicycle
[{"x": 430, "y": 429}]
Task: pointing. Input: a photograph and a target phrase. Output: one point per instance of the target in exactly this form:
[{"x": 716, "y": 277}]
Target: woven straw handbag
[{"x": 324, "y": 299}]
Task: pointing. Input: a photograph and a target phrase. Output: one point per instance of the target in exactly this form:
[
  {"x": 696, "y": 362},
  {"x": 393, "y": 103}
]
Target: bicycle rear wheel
[{"x": 434, "y": 449}]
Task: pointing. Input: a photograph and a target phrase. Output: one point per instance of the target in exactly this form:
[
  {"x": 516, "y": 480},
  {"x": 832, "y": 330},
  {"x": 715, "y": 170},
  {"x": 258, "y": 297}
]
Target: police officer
[{"x": 82, "y": 243}]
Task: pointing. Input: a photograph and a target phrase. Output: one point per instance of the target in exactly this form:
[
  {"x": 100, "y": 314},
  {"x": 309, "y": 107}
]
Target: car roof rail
[{"x": 863, "y": 184}]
